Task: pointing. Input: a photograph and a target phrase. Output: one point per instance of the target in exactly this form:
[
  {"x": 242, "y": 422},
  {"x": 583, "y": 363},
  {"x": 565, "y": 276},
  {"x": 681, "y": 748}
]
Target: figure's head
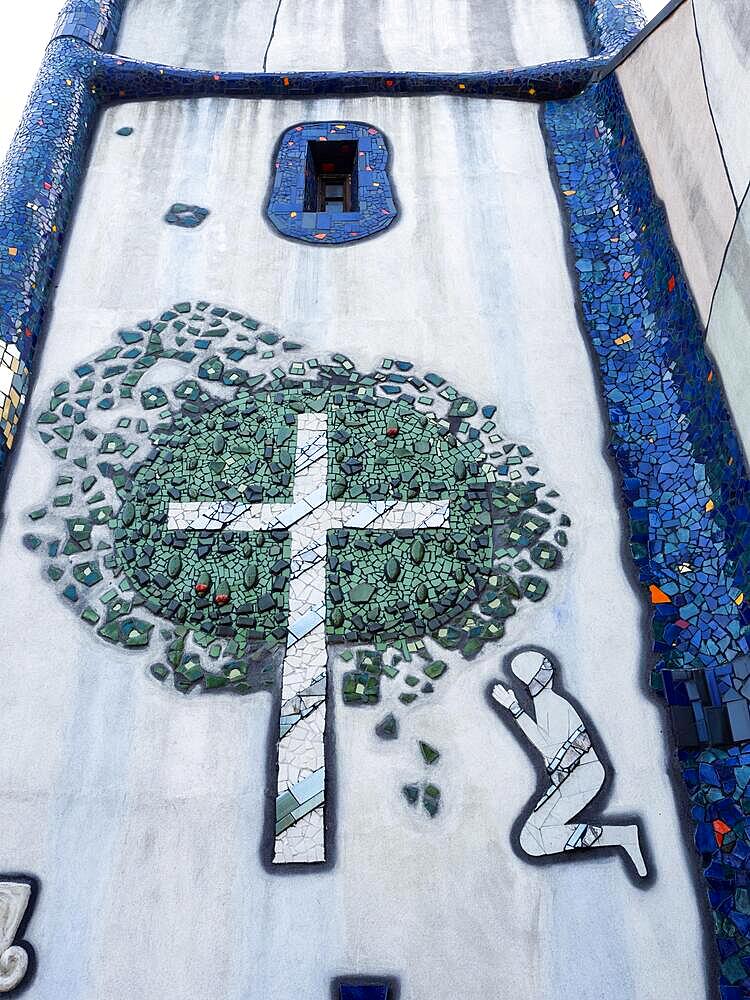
[{"x": 527, "y": 665}]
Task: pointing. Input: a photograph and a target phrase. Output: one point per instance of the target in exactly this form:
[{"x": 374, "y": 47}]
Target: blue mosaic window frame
[{"x": 376, "y": 208}]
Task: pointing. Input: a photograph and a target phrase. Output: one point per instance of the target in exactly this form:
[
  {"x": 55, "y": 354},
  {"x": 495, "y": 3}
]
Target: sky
[{"x": 24, "y": 32}]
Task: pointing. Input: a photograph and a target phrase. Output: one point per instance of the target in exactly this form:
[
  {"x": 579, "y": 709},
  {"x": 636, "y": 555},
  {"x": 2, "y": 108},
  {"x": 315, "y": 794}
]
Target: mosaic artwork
[
  {"x": 685, "y": 482},
  {"x": 575, "y": 773},
  {"x": 373, "y": 208},
  {"x": 14, "y": 958},
  {"x": 238, "y": 517},
  {"x": 683, "y": 473}
]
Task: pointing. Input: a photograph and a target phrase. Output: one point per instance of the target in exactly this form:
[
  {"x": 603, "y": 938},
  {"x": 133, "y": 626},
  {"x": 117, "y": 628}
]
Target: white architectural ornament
[
  {"x": 300, "y": 833},
  {"x": 576, "y": 775},
  {"x": 14, "y": 960}
]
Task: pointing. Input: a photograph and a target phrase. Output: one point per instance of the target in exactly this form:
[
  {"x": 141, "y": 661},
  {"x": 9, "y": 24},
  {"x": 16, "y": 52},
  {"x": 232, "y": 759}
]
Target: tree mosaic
[{"x": 229, "y": 509}]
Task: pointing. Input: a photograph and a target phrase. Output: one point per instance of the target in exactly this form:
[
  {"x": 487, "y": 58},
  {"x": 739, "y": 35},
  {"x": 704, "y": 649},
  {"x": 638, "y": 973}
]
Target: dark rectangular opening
[{"x": 331, "y": 176}]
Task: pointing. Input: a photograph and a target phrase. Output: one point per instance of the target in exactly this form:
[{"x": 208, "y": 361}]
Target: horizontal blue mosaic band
[{"x": 117, "y": 78}]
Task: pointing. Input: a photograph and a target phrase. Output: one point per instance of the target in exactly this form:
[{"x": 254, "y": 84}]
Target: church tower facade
[{"x": 373, "y": 442}]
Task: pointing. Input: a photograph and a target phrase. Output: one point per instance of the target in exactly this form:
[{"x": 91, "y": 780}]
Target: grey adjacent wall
[
  {"x": 687, "y": 88},
  {"x": 729, "y": 327},
  {"x": 666, "y": 95},
  {"x": 724, "y": 33}
]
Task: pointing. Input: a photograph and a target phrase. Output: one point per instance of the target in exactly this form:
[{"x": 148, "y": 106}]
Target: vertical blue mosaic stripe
[
  {"x": 95, "y": 22},
  {"x": 611, "y": 24},
  {"x": 38, "y": 181},
  {"x": 685, "y": 485}
]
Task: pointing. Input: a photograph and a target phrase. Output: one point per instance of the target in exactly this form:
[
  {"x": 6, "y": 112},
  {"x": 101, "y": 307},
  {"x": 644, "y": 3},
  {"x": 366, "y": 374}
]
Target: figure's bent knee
[{"x": 531, "y": 839}]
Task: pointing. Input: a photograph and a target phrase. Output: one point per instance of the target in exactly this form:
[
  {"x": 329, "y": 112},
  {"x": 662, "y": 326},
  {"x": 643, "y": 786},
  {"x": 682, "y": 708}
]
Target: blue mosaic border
[
  {"x": 611, "y": 24},
  {"x": 119, "y": 78},
  {"x": 95, "y": 22},
  {"x": 376, "y": 209},
  {"x": 685, "y": 485},
  {"x": 38, "y": 183}
]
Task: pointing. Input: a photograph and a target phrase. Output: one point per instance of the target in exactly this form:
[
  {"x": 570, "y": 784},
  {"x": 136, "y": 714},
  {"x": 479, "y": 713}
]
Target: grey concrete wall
[
  {"x": 723, "y": 28},
  {"x": 142, "y": 811},
  {"x": 665, "y": 91},
  {"x": 353, "y": 34},
  {"x": 728, "y": 334},
  {"x": 724, "y": 34}
]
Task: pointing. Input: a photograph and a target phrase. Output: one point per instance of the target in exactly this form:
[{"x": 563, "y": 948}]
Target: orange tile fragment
[
  {"x": 658, "y": 596},
  {"x": 720, "y": 831}
]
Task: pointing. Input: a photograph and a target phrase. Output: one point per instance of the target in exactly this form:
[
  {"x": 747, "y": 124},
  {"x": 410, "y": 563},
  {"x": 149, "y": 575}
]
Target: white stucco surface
[
  {"x": 666, "y": 96},
  {"x": 348, "y": 35},
  {"x": 141, "y": 810},
  {"x": 724, "y": 33}
]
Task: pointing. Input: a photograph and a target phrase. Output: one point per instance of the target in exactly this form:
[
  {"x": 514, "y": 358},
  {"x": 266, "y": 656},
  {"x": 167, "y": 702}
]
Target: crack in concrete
[{"x": 273, "y": 32}]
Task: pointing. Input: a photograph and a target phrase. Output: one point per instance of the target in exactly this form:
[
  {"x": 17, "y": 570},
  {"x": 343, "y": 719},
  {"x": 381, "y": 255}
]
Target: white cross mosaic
[{"x": 300, "y": 830}]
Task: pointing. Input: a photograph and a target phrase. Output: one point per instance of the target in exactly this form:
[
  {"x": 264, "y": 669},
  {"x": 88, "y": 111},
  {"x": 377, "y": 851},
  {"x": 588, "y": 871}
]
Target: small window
[
  {"x": 331, "y": 183},
  {"x": 331, "y": 176}
]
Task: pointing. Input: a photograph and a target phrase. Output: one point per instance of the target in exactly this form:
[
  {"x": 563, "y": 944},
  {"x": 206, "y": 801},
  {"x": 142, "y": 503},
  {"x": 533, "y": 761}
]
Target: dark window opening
[{"x": 331, "y": 177}]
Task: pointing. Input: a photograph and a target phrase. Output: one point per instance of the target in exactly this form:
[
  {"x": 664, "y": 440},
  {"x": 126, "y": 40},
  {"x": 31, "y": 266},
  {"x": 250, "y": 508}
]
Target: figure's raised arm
[{"x": 505, "y": 697}]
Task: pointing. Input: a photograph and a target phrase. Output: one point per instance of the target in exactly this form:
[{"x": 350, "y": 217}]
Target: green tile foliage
[{"x": 201, "y": 403}]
